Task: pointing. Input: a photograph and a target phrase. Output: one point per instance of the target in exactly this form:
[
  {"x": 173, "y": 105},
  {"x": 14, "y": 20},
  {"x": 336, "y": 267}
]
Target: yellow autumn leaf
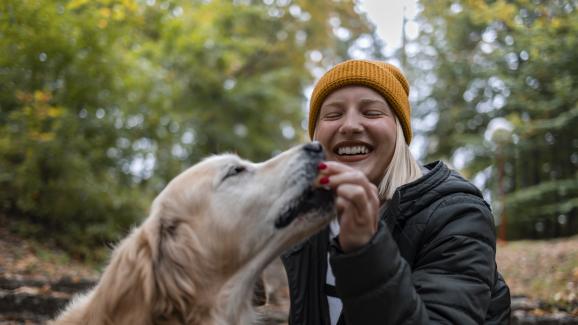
[
  {"x": 505, "y": 11},
  {"x": 75, "y": 4},
  {"x": 129, "y": 5},
  {"x": 42, "y": 96},
  {"x": 556, "y": 23},
  {"x": 118, "y": 13},
  {"x": 54, "y": 111},
  {"x": 104, "y": 12}
]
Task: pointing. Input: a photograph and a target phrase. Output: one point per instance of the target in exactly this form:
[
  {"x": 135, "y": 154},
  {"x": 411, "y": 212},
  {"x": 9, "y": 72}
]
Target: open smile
[{"x": 351, "y": 150}]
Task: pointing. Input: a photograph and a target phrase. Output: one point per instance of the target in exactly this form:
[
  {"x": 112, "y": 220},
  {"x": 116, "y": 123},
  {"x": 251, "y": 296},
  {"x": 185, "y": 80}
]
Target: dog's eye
[{"x": 235, "y": 170}]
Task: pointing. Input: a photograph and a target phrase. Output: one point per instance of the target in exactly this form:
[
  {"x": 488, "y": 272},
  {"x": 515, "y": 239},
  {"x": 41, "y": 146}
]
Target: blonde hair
[{"x": 402, "y": 169}]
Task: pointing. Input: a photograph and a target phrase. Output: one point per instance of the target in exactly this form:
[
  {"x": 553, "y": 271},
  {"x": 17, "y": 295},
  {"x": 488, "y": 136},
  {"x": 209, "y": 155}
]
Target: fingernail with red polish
[
  {"x": 321, "y": 165},
  {"x": 324, "y": 180}
]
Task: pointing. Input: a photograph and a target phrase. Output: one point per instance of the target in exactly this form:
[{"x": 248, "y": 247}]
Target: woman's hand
[{"x": 357, "y": 203}]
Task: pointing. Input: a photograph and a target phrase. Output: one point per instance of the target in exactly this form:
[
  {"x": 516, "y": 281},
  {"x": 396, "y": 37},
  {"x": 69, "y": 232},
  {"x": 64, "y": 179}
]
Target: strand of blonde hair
[{"x": 402, "y": 169}]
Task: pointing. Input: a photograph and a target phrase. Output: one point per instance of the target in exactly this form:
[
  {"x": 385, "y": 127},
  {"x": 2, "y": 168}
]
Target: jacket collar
[{"x": 413, "y": 196}]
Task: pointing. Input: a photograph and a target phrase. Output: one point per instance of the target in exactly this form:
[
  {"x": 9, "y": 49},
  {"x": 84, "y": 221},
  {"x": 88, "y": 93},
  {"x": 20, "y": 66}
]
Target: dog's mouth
[{"x": 312, "y": 200}]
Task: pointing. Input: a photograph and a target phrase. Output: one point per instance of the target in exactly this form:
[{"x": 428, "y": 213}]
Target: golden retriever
[{"x": 209, "y": 235}]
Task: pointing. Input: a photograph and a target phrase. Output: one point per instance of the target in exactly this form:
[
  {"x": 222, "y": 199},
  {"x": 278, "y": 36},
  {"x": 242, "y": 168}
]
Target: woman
[{"x": 412, "y": 244}]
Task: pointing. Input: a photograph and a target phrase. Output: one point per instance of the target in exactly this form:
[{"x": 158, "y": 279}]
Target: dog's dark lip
[{"x": 311, "y": 200}]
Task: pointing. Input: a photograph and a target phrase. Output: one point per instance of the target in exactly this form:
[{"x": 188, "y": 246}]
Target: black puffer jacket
[{"x": 432, "y": 261}]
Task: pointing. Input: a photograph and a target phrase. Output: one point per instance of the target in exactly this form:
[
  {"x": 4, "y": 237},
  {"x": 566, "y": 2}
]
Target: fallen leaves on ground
[
  {"x": 21, "y": 258},
  {"x": 546, "y": 270}
]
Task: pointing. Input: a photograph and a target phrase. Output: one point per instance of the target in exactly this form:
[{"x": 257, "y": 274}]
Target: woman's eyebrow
[
  {"x": 333, "y": 103},
  {"x": 372, "y": 101}
]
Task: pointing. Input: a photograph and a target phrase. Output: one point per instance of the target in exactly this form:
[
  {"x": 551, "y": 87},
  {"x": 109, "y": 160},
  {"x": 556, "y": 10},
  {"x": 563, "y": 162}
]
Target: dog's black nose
[{"x": 313, "y": 147}]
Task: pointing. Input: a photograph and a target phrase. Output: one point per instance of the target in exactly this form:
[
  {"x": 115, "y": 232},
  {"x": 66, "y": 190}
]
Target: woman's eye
[
  {"x": 374, "y": 113},
  {"x": 331, "y": 116}
]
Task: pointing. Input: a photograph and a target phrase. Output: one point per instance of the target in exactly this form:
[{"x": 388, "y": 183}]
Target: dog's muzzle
[{"x": 312, "y": 199}]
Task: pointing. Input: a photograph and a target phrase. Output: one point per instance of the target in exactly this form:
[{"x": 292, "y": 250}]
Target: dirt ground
[
  {"x": 545, "y": 269},
  {"x": 30, "y": 259}
]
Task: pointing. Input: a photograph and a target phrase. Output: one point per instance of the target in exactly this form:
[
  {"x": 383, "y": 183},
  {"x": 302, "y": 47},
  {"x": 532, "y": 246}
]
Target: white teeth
[{"x": 355, "y": 150}]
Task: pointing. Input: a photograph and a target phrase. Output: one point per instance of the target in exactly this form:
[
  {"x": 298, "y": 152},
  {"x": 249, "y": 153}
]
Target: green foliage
[
  {"x": 104, "y": 101},
  {"x": 513, "y": 61}
]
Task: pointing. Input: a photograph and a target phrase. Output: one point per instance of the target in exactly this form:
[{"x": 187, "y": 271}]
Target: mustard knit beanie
[{"x": 382, "y": 77}]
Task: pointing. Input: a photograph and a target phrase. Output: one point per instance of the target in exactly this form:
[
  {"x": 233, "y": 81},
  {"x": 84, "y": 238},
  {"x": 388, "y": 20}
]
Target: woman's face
[{"x": 357, "y": 127}]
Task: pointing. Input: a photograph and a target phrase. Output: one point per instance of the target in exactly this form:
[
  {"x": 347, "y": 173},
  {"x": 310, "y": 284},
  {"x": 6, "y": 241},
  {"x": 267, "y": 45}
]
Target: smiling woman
[{"x": 410, "y": 244}]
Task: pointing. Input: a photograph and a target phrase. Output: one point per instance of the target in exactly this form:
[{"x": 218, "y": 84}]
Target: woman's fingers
[
  {"x": 356, "y": 196},
  {"x": 335, "y": 174},
  {"x": 357, "y": 203},
  {"x": 356, "y": 229},
  {"x": 354, "y": 186}
]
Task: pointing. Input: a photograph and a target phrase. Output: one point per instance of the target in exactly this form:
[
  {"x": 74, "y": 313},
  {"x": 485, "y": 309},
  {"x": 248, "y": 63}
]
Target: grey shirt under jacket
[{"x": 432, "y": 261}]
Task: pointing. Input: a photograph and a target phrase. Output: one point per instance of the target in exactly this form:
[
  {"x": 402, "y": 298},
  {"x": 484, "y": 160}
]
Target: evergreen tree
[{"x": 509, "y": 64}]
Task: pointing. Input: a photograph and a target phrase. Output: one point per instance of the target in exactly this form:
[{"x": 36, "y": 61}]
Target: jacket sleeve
[{"x": 450, "y": 281}]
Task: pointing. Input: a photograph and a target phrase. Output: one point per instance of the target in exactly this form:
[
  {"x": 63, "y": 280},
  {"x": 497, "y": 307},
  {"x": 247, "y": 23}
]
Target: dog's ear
[
  {"x": 127, "y": 279},
  {"x": 173, "y": 266}
]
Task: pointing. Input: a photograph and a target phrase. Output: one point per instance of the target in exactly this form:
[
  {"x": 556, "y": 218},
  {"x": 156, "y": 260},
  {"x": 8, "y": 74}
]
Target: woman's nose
[{"x": 351, "y": 124}]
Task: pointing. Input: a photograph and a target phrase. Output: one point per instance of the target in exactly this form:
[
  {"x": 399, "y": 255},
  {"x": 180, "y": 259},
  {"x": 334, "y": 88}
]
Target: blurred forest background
[{"x": 104, "y": 101}]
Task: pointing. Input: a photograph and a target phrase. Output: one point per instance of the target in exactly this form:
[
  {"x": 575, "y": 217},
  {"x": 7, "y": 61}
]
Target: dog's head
[
  {"x": 232, "y": 211},
  {"x": 216, "y": 225}
]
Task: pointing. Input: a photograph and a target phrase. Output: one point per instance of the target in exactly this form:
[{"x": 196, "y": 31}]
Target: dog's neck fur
[{"x": 234, "y": 301}]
